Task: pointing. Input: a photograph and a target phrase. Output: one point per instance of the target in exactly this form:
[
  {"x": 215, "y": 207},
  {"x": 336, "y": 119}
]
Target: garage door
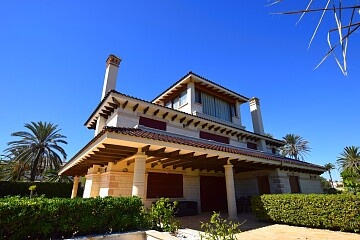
[{"x": 213, "y": 193}]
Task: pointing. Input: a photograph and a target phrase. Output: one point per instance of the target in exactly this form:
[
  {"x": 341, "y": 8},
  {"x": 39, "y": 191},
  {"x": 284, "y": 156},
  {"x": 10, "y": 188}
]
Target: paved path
[
  {"x": 285, "y": 232},
  {"x": 252, "y": 229}
]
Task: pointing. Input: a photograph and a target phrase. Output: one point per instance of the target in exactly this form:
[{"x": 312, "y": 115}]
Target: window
[
  {"x": 152, "y": 123},
  {"x": 164, "y": 185},
  {"x": 252, "y": 145},
  {"x": 178, "y": 101},
  {"x": 273, "y": 150},
  {"x": 214, "y": 137},
  {"x": 216, "y": 107},
  {"x": 197, "y": 95}
]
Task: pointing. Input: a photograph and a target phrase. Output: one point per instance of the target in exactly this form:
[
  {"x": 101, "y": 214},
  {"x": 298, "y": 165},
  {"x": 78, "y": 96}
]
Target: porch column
[
  {"x": 230, "y": 191},
  {"x": 75, "y": 187},
  {"x": 138, "y": 188}
]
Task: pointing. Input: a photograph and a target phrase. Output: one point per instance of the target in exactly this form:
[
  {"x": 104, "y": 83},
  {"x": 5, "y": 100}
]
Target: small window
[
  {"x": 197, "y": 96},
  {"x": 182, "y": 98},
  {"x": 176, "y": 103},
  {"x": 252, "y": 145}
]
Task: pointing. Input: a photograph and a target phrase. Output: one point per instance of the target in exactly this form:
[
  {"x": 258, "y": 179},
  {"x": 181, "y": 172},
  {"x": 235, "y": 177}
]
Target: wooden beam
[
  {"x": 116, "y": 101},
  {"x": 216, "y": 129},
  {"x": 146, "y": 109},
  {"x": 124, "y": 104},
  {"x": 146, "y": 148},
  {"x": 106, "y": 112},
  {"x": 156, "y": 112},
  {"x": 111, "y": 109},
  {"x": 156, "y": 152},
  {"x": 204, "y": 125},
  {"x": 135, "y": 107},
  {"x": 165, "y": 115},
  {"x": 197, "y": 123},
  {"x": 103, "y": 115},
  {"x": 182, "y": 119},
  {"x": 113, "y": 105},
  {"x": 222, "y": 130},
  {"x": 189, "y": 122},
  {"x": 174, "y": 117},
  {"x": 211, "y": 127}
]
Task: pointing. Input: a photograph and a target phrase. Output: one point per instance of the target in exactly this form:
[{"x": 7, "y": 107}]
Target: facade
[{"x": 187, "y": 144}]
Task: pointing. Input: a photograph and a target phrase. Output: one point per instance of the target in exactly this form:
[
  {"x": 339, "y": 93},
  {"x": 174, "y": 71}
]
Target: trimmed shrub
[
  {"x": 49, "y": 189},
  {"x": 42, "y": 218},
  {"x": 334, "y": 212}
]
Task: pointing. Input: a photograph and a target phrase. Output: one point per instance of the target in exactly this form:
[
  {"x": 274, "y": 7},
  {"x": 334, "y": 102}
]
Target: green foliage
[
  {"x": 351, "y": 181},
  {"x": 219, "y": 229},
  {"x": 325, "y": 184},
  {"x": 335, "y": 212},
  {"x": 161, "y": 216},
  {"x": 38, "y": 148},
  {"x": 47, "y": 189},
  {"x": 43, "y": 218},
  {"x": 296, "y": 147}
]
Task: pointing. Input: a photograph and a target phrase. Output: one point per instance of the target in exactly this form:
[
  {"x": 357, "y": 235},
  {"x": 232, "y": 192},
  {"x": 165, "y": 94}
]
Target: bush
[
  {"x": 44, "y": 218},
  {"x": 160, "y": 217},
  {"x": 334, "y": 212},
  {"x": 48, "y": 189},
  {"x": 219, "y": 228}
]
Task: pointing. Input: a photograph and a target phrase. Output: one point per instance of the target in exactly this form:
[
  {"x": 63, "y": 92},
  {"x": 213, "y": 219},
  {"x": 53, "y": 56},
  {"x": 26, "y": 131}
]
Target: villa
[{"x": 188, "y": 143}]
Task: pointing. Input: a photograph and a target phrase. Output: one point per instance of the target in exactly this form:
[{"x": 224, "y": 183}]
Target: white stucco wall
[{"x": 172, "y": 128}]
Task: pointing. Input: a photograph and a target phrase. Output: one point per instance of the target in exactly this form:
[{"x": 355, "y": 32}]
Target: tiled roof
[
  {"x": 170, "y": 109},
  {"x": 196, "y": 75},
  {"x": 203, "y": 144}
]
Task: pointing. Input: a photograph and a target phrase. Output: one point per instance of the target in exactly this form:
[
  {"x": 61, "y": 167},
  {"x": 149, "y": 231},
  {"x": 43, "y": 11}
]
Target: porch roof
[{"x": 115, "y": 144}]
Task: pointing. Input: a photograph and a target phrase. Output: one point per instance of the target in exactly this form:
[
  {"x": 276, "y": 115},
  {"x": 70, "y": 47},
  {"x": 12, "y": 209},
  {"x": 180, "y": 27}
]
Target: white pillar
[
  {"x": 75, "y": 187},
  {"x": 230, "y": 191},
  {"x": 138, "y": 188}
]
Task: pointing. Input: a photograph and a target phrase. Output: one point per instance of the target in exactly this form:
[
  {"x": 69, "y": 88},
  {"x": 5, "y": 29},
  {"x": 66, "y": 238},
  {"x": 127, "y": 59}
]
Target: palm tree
[
  {"x": 295, "y": 147},
  {"x": 52, "y": 175},
  {"x": 39, "y": 148},
  {"x": 349, "y": 160},
  {"x": 329, "y": 167}
]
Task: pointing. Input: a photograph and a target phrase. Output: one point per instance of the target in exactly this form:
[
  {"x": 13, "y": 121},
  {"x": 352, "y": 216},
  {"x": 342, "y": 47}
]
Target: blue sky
[{"x": 52, "y": 63}]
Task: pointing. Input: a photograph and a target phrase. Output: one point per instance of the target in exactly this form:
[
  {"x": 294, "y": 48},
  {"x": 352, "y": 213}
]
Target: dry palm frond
[{"x": 345, "y": 27}]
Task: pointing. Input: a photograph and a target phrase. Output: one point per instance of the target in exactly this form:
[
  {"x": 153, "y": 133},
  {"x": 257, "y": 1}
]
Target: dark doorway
[
  {"x": 213, "y": 193},
  {"x": 294, "y": 184},
  {"x": 263, "y": 184}
]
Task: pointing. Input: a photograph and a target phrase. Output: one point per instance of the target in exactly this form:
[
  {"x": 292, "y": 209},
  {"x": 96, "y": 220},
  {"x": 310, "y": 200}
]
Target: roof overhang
[
  {"x": 205, "y": 83},
  {"x": 169, "y": 150}
]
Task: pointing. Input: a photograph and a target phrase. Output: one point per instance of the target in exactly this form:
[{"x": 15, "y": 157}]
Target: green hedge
[
  {"x": 48, "y": 189},
  {"x": 42, "y": 218},
  {"x": 335, "y": 212}
]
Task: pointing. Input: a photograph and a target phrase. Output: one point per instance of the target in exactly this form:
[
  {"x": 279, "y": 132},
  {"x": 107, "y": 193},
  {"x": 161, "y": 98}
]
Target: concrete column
[
  {"x": 230, "y": 191},
  {"x": 138, "y": 188},
  {"x": 75, "y": 187}
]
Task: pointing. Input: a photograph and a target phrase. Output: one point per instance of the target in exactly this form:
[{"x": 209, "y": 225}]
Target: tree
[
  {"x": 329, "y": 167},
  {"x": 52, "y": 175},
  {"x": 295, "y": 147},
  {"x": 346, "y": 23},
  {"x": 39, "y": 147},
  {"x": 349, "y": 160}
]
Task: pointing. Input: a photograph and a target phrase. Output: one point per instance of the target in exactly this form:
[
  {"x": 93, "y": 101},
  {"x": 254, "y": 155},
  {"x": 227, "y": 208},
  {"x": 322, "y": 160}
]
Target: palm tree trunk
[
  {"x": 331, "y": 181},
  {"x": 34, "y": 167}
]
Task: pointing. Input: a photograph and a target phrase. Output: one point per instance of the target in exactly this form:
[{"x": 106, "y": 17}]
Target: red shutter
[
  {"x": 164, "y": 185},
  {"x": 214, "y": 137},
  {"x": 152, "y": 123}
]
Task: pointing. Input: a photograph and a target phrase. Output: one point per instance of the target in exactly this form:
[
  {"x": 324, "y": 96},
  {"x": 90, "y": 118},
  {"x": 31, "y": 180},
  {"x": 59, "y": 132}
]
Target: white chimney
[
  {"x": 112, "y": 67},
  {"x": 257, "y": 121},
  {"x": 256, "y": 116}
]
